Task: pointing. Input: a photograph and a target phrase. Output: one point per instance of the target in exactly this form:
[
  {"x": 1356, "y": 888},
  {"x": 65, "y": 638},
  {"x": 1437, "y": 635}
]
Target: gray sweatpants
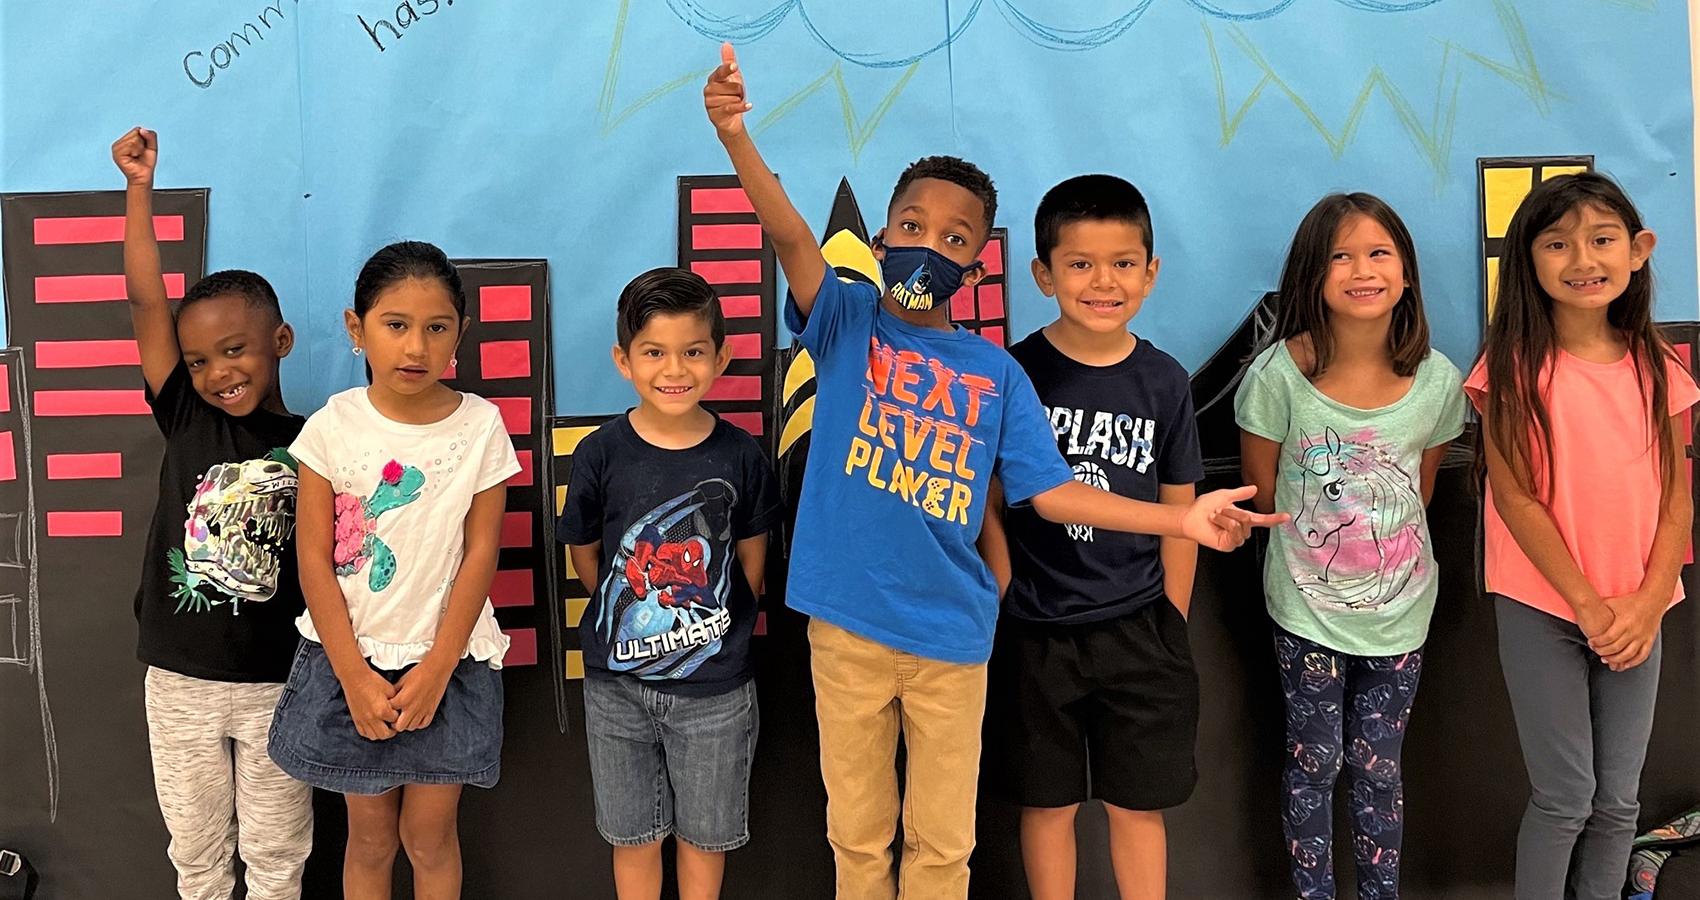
[
  {"x": 218, "y": 790},
  {"x": 1584, "y": 731}
]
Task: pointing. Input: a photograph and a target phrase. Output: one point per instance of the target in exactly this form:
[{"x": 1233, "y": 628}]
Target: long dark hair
[
  {"x": 1521, "y": 343},
  {"x": 1300, "y": 308}
]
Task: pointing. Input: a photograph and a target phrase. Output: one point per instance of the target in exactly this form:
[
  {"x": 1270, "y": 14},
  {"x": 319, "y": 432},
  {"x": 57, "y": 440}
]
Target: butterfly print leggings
[{"x": 1344, "y": 711}]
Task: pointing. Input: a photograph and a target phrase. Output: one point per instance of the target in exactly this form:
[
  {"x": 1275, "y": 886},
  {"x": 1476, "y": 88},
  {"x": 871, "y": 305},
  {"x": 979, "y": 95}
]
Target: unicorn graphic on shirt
[{"x": 1360, "y": 517}]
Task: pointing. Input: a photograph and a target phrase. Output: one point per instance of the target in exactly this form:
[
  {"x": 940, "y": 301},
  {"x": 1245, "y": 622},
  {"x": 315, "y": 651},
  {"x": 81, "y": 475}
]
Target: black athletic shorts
[{"x": 1105, "y": 710}]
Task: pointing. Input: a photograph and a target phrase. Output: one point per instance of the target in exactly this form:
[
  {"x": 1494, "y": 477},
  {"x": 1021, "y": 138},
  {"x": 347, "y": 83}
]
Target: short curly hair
[
  {"x": 957, "y": 171},
  {"x": 255, "y": 291}
]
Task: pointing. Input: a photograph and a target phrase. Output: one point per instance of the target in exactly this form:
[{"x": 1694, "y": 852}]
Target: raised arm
[
  {"x": 137, "y": 154},
  {"x": 795, "y": 245}
]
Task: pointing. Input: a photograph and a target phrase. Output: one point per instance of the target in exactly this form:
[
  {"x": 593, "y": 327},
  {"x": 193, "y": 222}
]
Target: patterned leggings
[{"x": 1351, "y": 710}]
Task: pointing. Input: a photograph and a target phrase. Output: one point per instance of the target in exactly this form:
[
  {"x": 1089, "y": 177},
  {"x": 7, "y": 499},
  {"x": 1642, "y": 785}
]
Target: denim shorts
[
  {"x": 667, "y": 764},
  {"x": 313, "y": 738}
]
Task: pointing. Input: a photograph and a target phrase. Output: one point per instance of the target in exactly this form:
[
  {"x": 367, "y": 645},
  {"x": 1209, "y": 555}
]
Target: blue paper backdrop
[{"x": 541, "y": 128}]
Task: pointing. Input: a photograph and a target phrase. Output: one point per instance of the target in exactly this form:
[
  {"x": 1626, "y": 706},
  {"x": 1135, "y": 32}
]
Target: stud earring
[{"x": 355, "y": 350}]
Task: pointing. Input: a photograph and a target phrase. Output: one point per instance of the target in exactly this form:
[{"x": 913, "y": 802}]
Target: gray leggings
[{"x": 1584, "y": 731}]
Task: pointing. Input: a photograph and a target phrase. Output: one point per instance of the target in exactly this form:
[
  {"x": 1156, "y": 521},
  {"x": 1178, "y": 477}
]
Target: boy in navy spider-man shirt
[{"x": 666, "y": 519}]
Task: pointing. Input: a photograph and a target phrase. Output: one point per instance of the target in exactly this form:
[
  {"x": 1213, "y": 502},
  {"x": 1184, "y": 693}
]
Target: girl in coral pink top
[{"x": 1584, "y": 413}]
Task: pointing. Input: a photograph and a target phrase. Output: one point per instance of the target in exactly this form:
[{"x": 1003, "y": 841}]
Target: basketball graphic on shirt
[{"x": 1092, "y": 475}]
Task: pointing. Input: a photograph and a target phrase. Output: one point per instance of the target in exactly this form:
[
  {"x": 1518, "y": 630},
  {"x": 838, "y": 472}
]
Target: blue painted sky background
[{"x": 525, "y": 129}]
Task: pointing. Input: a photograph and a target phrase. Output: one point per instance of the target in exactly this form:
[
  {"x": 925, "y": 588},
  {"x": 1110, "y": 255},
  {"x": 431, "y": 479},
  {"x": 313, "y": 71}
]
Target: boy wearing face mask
[{"x": 913, "y": 416}]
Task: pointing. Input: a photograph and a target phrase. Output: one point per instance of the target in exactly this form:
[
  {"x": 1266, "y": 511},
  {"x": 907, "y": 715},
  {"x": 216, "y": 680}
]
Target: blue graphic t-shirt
[
  {"x": 910, "y": 424},
  {"x": 671, "y": 605}
]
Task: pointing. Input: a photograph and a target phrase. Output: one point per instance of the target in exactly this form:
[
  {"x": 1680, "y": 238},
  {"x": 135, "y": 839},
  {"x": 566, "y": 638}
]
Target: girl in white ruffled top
[{"x": 395, "y": 700}]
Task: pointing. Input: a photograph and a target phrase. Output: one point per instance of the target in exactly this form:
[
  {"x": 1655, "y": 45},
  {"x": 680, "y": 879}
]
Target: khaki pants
[{"x": 865, "y": 694}]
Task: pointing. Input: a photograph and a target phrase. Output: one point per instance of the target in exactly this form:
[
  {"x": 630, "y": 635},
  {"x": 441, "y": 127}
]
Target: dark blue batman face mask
[{"x": 921, "y": 278}]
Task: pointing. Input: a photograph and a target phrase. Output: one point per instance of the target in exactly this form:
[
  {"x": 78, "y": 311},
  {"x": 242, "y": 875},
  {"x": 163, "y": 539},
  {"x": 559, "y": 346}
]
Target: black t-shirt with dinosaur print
[{"x": 219, "y": 592}]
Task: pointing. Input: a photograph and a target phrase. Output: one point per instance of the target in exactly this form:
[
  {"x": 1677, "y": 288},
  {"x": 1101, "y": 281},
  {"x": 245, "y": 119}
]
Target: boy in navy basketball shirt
[{"x": 1095, "y": 693}]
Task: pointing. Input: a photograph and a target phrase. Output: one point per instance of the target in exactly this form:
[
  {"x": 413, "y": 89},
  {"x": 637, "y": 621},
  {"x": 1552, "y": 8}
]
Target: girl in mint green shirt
[{"x": 1344, "y": 420}]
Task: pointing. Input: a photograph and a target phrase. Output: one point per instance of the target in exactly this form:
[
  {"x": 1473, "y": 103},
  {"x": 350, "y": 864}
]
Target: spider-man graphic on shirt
[{"x": 663, "y": 607}]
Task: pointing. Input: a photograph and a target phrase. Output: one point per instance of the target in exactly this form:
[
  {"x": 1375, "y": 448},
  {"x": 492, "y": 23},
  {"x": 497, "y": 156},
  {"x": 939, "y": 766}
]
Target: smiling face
[
  {"x": 409, "y": 334},
  {"x": 1099, "y": 272},
  {"x": 672, "y": 362},
  {"x": 231, "y": 349},
  {"x": 1366, "y": 276},
  {"x": 1586, "y": 258}
]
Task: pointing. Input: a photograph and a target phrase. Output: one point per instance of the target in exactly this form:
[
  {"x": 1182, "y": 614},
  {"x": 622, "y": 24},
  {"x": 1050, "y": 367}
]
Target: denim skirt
[{"x": 313, "y": 738}]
